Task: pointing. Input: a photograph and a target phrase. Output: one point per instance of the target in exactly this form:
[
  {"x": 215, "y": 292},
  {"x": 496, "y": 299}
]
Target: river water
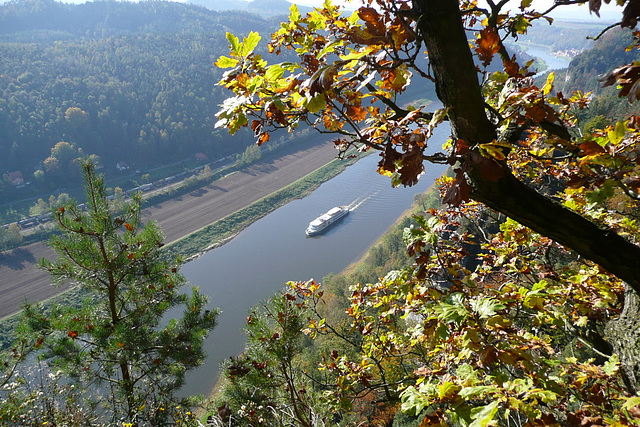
[
  {"x": 553, "y": 62},
  {"x": 274, "y": 250},
  {"x": 263, "y": 257}
]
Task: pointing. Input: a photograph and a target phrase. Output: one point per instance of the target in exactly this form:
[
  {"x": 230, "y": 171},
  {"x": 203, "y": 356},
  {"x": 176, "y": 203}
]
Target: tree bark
[
  {"x": 624, "y": 336},
  {"x": 457, "y": 86}
]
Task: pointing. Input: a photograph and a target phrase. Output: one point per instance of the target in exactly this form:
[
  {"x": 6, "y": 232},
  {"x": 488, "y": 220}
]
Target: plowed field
[{"x": 20, "y": 280}]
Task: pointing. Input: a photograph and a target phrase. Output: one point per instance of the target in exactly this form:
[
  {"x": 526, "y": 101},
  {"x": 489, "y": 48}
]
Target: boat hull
[{"x": 326, "y": 220}]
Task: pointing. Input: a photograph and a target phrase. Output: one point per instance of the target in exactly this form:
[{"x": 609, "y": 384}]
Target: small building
[
  {"x": 122, "y": 166},
  {"x": 201, "y": 157},
  {"x": 16, "y": 178}
]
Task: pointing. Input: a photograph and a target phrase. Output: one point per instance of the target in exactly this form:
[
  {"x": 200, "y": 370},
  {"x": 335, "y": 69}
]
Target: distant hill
[
  {"x": 127, "y": 81},
  {"x": 266, "y": 8},
  {"x": 588, "y": 67},
  {"x": 34, "y": 20},
  {"x": 605, "y": 54}
]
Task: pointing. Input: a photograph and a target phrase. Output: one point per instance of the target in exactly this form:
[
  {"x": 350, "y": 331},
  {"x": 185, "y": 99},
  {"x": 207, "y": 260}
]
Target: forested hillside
[
  {"x": 129, "y": 82},
  {"x": 587, "y": 69}
]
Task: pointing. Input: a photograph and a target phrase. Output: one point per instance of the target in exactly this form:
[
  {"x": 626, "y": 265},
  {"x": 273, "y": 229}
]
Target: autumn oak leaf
[
  {"x": 627, "y": 77},
  {"x": 412, "y": 166},
  {"x": 373, "y": 21},
  {"x": 389, "y": 157},
  {"x": 487, "y": 45},
  {"x": 459, "y": 192}
]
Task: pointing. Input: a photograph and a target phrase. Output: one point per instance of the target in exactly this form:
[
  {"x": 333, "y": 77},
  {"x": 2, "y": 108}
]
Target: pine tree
[{"x": 122, "y": 346}]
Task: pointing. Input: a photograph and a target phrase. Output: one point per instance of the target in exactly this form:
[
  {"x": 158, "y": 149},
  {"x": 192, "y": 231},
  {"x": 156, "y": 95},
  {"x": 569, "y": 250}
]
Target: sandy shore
[{"x": 20, "y": 280}]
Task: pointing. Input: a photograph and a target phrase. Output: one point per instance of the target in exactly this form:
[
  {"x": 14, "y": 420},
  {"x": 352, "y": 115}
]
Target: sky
[{"x": 608, "y": 13}]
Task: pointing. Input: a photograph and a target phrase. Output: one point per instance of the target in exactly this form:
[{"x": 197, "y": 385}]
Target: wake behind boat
[{"x": 321, "y": 223}]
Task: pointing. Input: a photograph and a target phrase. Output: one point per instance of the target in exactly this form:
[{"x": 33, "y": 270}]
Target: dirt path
[{"x": 20, "y": 280}]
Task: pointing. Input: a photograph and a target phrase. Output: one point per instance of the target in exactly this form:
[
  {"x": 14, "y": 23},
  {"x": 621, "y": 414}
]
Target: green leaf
[
  {"x": 617, "y": 134},
  {"x": 612, "y": 365},
  {"x": 250, "y": 43},
  {"x": 316, "y": 103},
  {"x": 477, "y": 391},
  {"x": 455, "y": 312},
  {"x": 467, "y": 374},
  {"x": 294, "y": 14},
  {"x": 539, "y": 286},
  {"x": 483, "y": 415},
  {"x": 486, "y": 307},
  {"x": 235, "y": 44},
  {"x": 521, "y": 24},
  {"x": 274, "y": 72},
  {"x": 547, "y": 396},
  {"x": 447, "y": 390},
  {"x": 226, "y": 62},
  {"x": 632, "y": 402},
  {"x": 413, "y": 402}
]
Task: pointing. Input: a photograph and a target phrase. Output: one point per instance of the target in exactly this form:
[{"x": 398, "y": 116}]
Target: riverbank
[
  {"x": 365, "y": 267},
  {"x": 222, "y": 231},
  {"x": 21, "y": 280}
]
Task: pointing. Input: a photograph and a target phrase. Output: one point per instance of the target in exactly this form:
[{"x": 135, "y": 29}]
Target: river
[
  {"x": 273, "y": 250},
  {"x": 553, "y": 62}
]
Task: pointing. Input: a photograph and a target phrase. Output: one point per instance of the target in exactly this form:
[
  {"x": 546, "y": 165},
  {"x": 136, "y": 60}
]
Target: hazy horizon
[{"x": 608, "y": 12}]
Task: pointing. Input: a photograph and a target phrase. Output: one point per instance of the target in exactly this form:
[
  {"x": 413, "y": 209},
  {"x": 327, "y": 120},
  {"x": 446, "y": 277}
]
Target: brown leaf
[
  {"x": 584, "y": 419},
  {"x": 488, "y": 44},
  {"x": 633, "y": 182},
  {"x": 373, "y": 21},
  {"x": 488, "y": 167},
  {"x": 395, "y": 80},
  {"x": 322, "y": 80},
  {"x": 364, "y": 37},
  {"x": 590, "y": 148},
  {"x": 630, "y": 14},
  {"x": 545, "y": 420},
  {"x": 73, "y": 334},
  {"x": 594, "y": 6},
  {"x": 275, "y": 114},
  {"x": 459, "y": 192},
  {"x": 511, "y": 67},
  {"x": 389, "y": 158},
  {"x": 264, "y": 137},
  {"x": 412, "y": 166},
  {"x": 634, "y": 122},
  {"x": 434, "y": 419},
  {"x": 628, "y": 77},
  {"x": 356, "y": 112}
]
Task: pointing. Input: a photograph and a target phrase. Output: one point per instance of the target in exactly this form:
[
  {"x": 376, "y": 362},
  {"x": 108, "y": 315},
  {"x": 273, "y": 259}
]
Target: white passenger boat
[{"x": 321, "y": 223}]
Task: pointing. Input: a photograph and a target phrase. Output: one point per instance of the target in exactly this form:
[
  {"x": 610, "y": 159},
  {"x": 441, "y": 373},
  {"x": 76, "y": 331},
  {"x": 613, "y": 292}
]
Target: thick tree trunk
[
  {"x": 624, "y": 336},
  {"x": 440, "y": 26}
]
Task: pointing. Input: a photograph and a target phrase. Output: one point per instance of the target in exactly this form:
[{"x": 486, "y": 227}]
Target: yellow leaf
[{"x": 548, "y": 86}]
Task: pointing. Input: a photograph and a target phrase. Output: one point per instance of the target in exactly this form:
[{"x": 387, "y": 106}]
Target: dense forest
[{"x": 128, "y": 82}]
